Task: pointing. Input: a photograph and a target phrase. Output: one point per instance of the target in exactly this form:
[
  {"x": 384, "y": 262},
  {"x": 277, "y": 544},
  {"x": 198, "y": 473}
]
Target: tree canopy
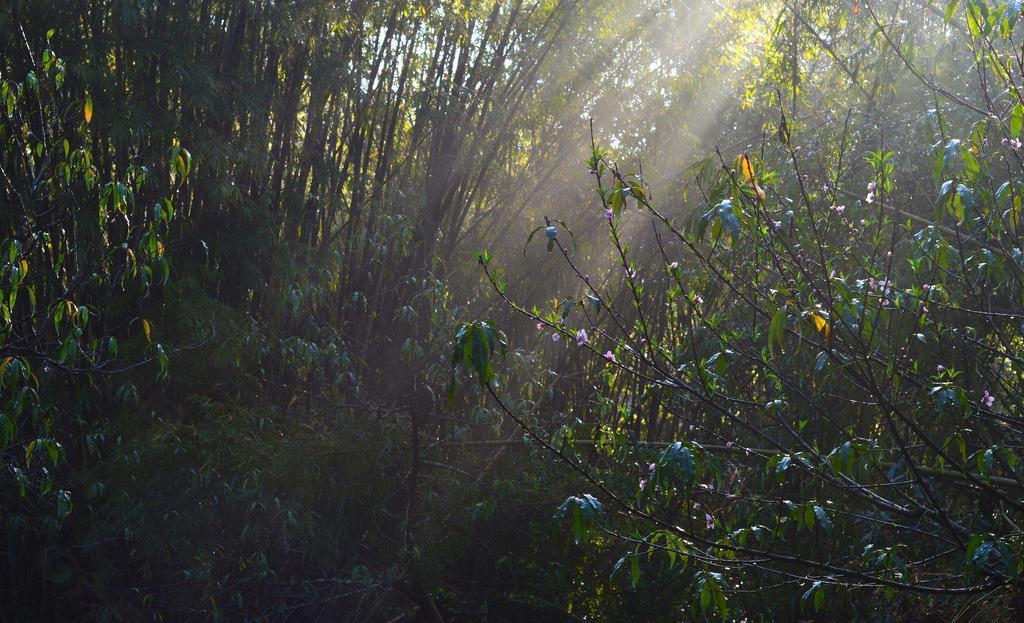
[{"x": 493, "y": 310}]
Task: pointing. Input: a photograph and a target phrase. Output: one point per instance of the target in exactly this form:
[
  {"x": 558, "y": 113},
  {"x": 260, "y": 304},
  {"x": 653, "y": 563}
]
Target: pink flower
[
  {"x": 698, "y": 300},
  {"x": 555, "y": 337},
  {"x": 940, "y": 367},
  {"x": 728, "y": 444},
  {"x": 643, "y": 483},
  {"x": 581, "y": 337},
  {"x": 540, "y": 326},
  {"x": 871, "y": 185},
  {"x": 610, "y": 356},
  {"x": 839, "y": 209},
  {"x": 608, "y": 213},
  {"x": 709, "y": 520},
  {"x": 1014, "y": 144},
  {"x": 870, "y": 198},
  {"x": 987, "y": 399}
]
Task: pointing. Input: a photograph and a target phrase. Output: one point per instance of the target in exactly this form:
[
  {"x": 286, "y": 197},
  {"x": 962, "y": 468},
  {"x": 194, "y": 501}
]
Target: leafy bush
[
  {"x": 83, "y": 257},
  {"x": 818, "y": 376}
]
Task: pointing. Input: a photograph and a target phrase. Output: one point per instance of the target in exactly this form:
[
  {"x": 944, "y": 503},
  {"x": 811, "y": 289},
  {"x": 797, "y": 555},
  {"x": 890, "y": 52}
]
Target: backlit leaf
[
  {"x": 821, "y": 324},
  {"x": 744, "y": 167}
]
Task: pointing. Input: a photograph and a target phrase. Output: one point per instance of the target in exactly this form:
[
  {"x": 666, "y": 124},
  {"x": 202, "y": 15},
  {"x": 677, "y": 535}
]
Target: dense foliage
[
  {"x": 814, "y": 385},
  {"x": 771, "y": 369}
]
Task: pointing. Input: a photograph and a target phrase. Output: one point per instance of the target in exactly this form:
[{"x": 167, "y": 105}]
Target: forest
[{"x": 512, "y": 310}]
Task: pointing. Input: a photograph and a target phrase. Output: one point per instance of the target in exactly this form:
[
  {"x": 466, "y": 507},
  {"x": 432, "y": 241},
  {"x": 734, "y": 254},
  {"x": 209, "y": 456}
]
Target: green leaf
[
  {"x": 972, "y": 21},
  {"x": 945, "y": 191},
  {"x": 972, "y": 167},
  {"x": 783, "y": 464},
  {"x": 63, "y": 504},
  {"x": 710, "y": 594},
  {"x": 474, "y": 346},
  {"x": 29, "y": 451},
  {"x": 823, "y": 519},
  {"x": 985, "y": 461},
  {"x": 946, "y": 157},
  {"x": 529, "y": 238},
  {"x": 966, "y": 200},
  {"x": 1012, "y": 14},
  {"x": 618, "y": 566},
  {"x": 776, "y": 328},
  {"x": 727, "y": 217},
  {"x": 815, "y": 595},
  {"x": 951, "y": 9},
  {"x": 981, "y": 553},
  {"x": 677, "y": 461},
  {"x": 820, "y": 361},
  {"x": 480, "y": 354},
  {"x": 583, "y": 512},
  {"x": 618, "y": 199}
]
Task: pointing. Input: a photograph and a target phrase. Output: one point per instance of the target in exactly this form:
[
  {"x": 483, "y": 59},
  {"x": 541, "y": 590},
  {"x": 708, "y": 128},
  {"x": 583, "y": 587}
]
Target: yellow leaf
[
  {"x": 24, "y": 267},
  {"x": 760, "y": 192},
  {"x": 147, "y": 329},
  {"x": 744, "y": 167},
  {"x": 821, "y": 324},
  {"x": 3, "y": 366},
  {"x": 159, "y": 249},
  {"x": 88, "y": 109}
]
